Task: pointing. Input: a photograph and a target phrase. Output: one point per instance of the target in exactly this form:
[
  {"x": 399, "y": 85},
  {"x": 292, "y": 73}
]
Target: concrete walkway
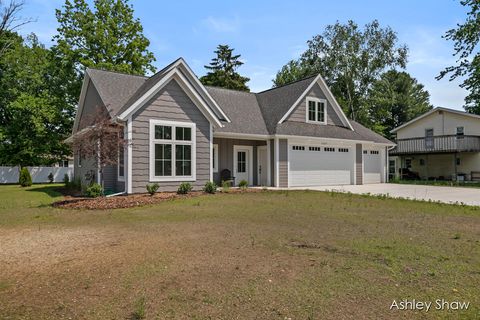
[{"x": 469, "y": 196}]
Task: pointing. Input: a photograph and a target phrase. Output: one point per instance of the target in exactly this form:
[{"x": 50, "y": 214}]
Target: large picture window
[
  {"x": 316, "y": 110},
  {"x": 172, "y": 151}
]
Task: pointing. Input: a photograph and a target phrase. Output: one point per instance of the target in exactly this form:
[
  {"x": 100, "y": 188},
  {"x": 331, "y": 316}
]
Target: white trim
[
  {"x": 317, "y": 104},
  {"x": 129, "y": 155},
  {"x": 176, "y": 74},
  {"x": 242, "y": 136},
  {"x": 249, "y": 164},
  {"x": 81, "y": 101},
  {"x": 277, "y": 161},
  {"x": 330, "y": 97},
  {"x": 269, "y": 164},
  {"x": 433, "y": 111},
  {"x": 258, "y": 163},
  {"x": 215, "y": 164},
  {"x": 99, "y": 181},
  {"x": 212, "y": 150},
  {"x": 173, "y": 142},
  {"x": 306, "y": 138}
]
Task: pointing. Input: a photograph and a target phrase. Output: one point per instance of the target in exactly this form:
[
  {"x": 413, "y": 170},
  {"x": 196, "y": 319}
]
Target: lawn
[
  {"x": 469, "y": 184},
  {"x": 267, "y": 255}
]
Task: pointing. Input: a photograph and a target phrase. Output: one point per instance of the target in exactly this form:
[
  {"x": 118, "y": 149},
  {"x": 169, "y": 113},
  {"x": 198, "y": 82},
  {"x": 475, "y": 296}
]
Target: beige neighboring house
[{"x": 442, "y": 144}]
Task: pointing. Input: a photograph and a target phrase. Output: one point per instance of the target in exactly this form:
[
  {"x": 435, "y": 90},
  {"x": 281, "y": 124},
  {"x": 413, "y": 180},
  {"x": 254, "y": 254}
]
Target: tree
[
  {"x": 35, "y": 116},
  {"x": 350, "y": 60},
  {"x": 100, "y": 142},
  {"x": 9, "y": 21},
  {"x": 107, "y": 37},
  {"x": 395, "y": 99},
  {"x": 223, "y": 70},
  {"x": 466, "y": 38}
]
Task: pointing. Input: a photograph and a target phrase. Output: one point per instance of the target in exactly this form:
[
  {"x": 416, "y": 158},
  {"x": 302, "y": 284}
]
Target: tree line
[{"x": 363, "y": 65}]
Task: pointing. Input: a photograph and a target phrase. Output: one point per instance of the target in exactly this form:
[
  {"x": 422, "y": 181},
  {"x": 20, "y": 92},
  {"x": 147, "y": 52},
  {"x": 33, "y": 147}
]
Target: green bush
[
  {"x": 210, "y": 187},
  {"x": 50, "y": 177},
  {"x": 243, "y": 184},
  {"x": 25, "y": 179},
  {"x": 94, "y": 191},
  {"x": 184, "y": 188},
  {"x": 66, "y": 179},
  {"x": 226, "y": 186},
  {"x": 152, "y": 188}
]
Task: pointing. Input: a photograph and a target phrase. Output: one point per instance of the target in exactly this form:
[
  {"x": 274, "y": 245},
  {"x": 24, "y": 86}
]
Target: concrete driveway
[{"x": 470, "y": 196}]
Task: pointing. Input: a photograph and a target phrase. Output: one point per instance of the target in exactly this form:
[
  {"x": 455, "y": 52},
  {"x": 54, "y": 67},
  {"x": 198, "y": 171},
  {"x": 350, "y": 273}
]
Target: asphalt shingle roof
[{"x": 250, "y": 113}]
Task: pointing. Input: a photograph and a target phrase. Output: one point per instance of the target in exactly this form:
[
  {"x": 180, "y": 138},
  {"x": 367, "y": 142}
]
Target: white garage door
[
  {"x": 319, "y": 165},
  {"x": 371, "y": 166}
]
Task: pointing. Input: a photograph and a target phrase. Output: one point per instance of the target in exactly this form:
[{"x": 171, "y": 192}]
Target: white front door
[
  {"x": 242, "y": 164},
  {"x": 262, "y": 165}
]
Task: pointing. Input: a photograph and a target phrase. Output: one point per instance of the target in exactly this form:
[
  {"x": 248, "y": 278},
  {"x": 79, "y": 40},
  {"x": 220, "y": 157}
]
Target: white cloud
[{"x": 222, "y": 25}]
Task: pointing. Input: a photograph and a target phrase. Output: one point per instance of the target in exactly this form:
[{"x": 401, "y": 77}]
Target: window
[
  {"x": 374, "y": 152},
  {"x": 342, "y": 149},
  {"x": 63, "y": 163},
  {"x": 316, "y": 110},
  {"x": 429, "y": 144},
  {"x": 315, "y": 148},
  {"x": 241, "y": 162},
  {"x": 365, "y": 152},
  {"x": 458, "y": 162},
  {"x": 172, "y": 151},
  {"x": 215, "y": 158},
  {"x": 408, "y": 163},
  {"x": 298, "y": 148},
  {"x": 329, "y": 149},
  {"x": 422, "y": 162},
  {"x": 460, "y": 132}
]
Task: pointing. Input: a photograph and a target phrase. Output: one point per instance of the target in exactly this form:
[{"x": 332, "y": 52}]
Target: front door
[
  {"x": 242, "y": 164},
  {"x": 262, "y": 166},
  {"x": 429, "y": 139}
]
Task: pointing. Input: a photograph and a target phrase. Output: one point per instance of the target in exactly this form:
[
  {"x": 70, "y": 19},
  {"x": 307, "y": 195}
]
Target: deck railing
[{"x": 437, "y": 144}]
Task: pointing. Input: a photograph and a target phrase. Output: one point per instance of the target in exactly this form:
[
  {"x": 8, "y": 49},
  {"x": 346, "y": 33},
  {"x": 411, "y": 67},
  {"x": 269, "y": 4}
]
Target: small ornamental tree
[
  {"x": 100, "y": 142},
  {"x": 25, "y": 179}
]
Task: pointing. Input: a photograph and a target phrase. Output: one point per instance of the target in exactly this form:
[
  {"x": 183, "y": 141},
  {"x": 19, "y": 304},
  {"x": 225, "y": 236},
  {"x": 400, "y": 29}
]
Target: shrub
[
  {"x": 184, "y": 188},
  {"x": 66, "y": 179},
  {"x": 152, "y": 188},
  {"x": 25, "y": 179},
  {"x": 50, "y": 177},
  {"x": 225, "y": 186},
  {"x": 94, "y": 191},
  {"x": 210, "y": 187},
  {"x": 243, "y": 184}
]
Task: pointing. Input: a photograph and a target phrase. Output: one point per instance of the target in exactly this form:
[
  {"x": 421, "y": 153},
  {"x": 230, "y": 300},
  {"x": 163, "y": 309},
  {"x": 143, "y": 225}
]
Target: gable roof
[
  {"x": 462, "y": 113},
  {"x": 233, "y": 111}
]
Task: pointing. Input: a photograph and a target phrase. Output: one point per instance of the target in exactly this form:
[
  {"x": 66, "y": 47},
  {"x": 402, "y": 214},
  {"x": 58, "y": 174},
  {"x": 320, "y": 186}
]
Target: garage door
[
  {"x": 319, "y": 165},
  {"x": 371, "y": 166}
]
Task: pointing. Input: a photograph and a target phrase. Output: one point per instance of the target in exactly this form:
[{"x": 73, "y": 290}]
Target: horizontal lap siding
[
  {"x": 283, "y": 163},
  {"x": 172, "y": 104},
  {"x": 299, "y": 114},
  {"x": 358, "y": 164}
]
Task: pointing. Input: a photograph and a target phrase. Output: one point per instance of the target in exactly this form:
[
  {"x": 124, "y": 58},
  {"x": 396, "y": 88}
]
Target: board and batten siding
[
  {"x": 299, "y": 114},
  {"x": 283, "y": 163},
  {"x": 172, "y": 104},
  {"x": 225, "y": 156}
]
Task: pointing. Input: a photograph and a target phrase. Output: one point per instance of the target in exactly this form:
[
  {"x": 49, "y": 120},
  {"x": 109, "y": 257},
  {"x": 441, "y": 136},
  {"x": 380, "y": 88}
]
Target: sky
[{"x": 268, "y": 34}]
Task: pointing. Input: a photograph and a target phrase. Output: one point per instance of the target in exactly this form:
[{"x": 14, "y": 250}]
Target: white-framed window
[
  {"x": 172, "y": 151},
  {"x": 329, "y": 149},
  {"x": 460, "y": 132},
  {"x": 316, "y": 110},
  {"x": 121, "y": 160},
  {"x": 298, "y": 148},
  {"x": 343, "y": 150},
  {"x": 215, "y": 158},
  {"x": 314, "y": 148}
]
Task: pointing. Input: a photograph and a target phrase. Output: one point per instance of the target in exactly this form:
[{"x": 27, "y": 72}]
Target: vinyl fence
[{"x": 39, "y": 174}]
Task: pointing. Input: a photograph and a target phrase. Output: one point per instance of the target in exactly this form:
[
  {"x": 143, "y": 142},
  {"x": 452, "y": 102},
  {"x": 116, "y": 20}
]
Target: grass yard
[
  {"x": 268, "y": 255},
  {"x": 468, "y": 184}
]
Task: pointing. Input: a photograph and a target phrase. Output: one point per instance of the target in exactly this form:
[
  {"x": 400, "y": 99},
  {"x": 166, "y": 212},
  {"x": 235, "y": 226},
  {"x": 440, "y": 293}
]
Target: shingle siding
[
  {"x": 299, "y": 113},
  {"x": 173, "y": 104}
]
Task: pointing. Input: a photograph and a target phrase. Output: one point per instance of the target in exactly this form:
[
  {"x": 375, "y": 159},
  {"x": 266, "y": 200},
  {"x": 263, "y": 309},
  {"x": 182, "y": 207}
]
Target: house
[
  {"x": 180, "y": 130},
  {"x": 442, "y": 144}
]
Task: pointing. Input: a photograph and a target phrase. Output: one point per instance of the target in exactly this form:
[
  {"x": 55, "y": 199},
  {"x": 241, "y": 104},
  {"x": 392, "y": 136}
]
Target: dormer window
[{"x": 316, "y": 110}]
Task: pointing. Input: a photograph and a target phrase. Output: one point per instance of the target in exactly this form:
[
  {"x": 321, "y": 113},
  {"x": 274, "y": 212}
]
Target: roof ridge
[
  {"x": 118, "y": 72},
  {"x": 234, "y": 90},
  {"x": 290, "y": 83}
]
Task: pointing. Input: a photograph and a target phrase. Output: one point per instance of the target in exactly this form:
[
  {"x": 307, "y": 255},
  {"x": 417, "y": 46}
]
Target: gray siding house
[{"x": 180, "y": 130}]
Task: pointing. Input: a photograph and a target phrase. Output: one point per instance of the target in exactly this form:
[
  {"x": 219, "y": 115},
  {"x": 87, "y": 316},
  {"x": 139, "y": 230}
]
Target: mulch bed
[{"x": 127, "y": 201}]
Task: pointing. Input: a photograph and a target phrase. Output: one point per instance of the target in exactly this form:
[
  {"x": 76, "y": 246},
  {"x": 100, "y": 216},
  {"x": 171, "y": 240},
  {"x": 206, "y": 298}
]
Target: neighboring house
[
  {"x": 180, "y": 130},
  {"x": 442, "y": 144}
]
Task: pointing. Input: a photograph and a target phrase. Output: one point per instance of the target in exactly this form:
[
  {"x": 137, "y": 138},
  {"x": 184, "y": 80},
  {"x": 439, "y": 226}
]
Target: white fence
[{"x": 39, "y": 174}]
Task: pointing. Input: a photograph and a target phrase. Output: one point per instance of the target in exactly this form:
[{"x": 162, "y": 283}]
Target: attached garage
[
  {"x": 372, "y": 166},
  {"x": 318, "y": 165}
]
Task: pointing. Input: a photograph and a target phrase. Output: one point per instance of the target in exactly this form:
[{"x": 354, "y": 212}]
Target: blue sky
[{"x": 269, "y": 33}]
